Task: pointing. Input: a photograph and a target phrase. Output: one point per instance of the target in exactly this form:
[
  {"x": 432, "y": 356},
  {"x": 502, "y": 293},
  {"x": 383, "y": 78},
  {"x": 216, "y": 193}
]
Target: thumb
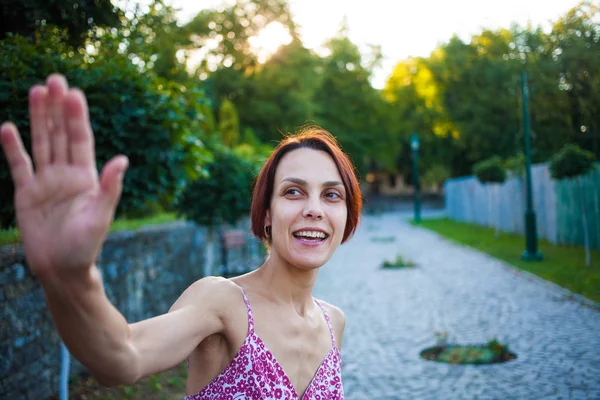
[{"x": 111, "y": 181}]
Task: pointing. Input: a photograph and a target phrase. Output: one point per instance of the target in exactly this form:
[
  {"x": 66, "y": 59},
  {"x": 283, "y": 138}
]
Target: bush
[
  {"x": 516, "y": 165},
  {"x": 570, "y": 162},
  {"x": 490, "y": 171},
  {"x": 22, "y": 65},
  {"x": 224, "y": 196},
  {"x": 156, "y": 126}
]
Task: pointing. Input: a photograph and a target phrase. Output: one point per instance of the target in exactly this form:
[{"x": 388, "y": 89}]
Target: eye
[
  {"x": 333, "y": 195},
  {"x": 292, "y": 192}
]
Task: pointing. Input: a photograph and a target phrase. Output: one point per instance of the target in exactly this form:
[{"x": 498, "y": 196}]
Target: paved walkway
[{"x": 393, "y": 314}]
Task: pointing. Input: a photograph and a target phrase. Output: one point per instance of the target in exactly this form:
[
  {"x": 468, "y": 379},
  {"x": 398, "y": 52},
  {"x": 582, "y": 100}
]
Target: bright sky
[{"x": 403, "y": 28}]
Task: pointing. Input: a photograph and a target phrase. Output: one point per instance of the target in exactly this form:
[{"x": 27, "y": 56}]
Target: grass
[
  {"x": 563, "y": 265},
  {"x": 399, "y": 262},
  {"x": 135, "y": 224},
  {"x": 10, "y": 236},
  {"x": 166, "y": 385}
]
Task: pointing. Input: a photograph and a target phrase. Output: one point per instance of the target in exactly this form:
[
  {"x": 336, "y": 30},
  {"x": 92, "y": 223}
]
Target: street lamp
[
  {"x": 531, "y": 252},
  {"x": 414, "y": 145}
]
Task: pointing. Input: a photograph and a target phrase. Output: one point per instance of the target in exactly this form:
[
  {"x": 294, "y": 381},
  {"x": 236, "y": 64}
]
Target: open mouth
[{"x": 311, "y": 236}]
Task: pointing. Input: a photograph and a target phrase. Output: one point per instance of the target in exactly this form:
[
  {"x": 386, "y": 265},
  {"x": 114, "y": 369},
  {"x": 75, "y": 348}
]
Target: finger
[
  {"x": 111, "y": 181},
  {"x": 40, "y": 137},
  {"x": 79, "y": 130},
  {"x": 16, "y": 155},
  {"x": 57, "y": 88}
]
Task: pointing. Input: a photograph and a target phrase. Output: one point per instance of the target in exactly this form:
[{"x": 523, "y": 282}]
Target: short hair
[{"x": 314, "y": 138}]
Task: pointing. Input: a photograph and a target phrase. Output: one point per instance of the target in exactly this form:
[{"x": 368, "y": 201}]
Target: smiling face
[{"x": 308, "y": 209}]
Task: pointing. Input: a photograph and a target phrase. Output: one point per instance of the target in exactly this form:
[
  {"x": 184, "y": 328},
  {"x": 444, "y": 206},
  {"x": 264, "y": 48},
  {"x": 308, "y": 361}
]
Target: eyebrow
[{"x": 302, "y": 182}]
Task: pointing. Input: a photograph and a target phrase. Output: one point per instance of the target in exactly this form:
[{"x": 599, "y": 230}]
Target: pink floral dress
[{"x": 255, "y": 374}]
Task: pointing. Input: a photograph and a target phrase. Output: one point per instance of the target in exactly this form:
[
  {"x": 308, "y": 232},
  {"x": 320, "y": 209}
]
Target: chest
[
  {"x": 299, "y": 347},
  {"x": 271, "y": 354}
]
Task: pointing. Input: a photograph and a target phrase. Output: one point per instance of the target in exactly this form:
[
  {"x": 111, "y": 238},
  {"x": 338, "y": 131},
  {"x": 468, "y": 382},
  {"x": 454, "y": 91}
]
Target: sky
[{"x": 404, "y": 29}]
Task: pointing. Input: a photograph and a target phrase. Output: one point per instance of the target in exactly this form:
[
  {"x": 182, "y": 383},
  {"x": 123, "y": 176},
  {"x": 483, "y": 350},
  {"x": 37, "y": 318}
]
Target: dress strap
[
  {"x": 328, "y": 322},
  {"x": 250, "y": 316}
]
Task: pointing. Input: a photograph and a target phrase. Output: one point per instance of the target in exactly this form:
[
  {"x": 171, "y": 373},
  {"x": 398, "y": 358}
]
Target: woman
[{"x": 258, "y": 336}]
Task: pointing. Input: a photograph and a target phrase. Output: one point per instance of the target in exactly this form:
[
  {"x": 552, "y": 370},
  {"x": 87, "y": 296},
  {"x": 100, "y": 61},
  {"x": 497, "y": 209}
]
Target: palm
[{"x": 63, "y": 210}]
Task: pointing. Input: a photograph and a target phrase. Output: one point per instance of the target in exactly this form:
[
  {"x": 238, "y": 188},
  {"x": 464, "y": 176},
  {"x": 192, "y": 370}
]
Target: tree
[
  {"x": 154, "y": 123},
  {"x": 280, "y": 92},
  {"x": 75, "y": 17},
  {"x": 414, "y": 107},
  {"x": 435, "y": 175},
  {"x": 574, "y": 44},
  {"x": 350, "y": 108},
  {"x": 229, "y": 124},
  {"x": 229, "y": 29},
  {"x": 571, "y": 163},
  {"x": 151, "y": 38}
]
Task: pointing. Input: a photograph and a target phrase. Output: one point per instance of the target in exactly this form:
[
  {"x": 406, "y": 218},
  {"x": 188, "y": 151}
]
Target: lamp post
[
  {"x": 414, "y": 145},
  {"x": 531, "y": 252}
]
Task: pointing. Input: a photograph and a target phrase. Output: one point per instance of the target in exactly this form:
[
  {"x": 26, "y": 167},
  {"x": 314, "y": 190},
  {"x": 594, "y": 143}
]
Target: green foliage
[
  {"x": 229, "y": 124},
  {"x": 435, "y": 175},
  {"x": 75, "y": 17},
  {"x": 151, "y": 38},
  {"x": 9, "y": 236},
  {"x": 155, "y": 125},
  {"x": 515, "y": 165},
  {"x": 131, "y": 115},
  {"x": 490, "y": 171},
  {"x": 349, "y": 107},
  {"x": 233, "y": 25},
  {"x": 468, "y": 87},
  {"x": 224, "y": 196},
  {"x": 492, "y": 352},
  {"x": 399, "y": 262},
  {"x": 278, "y": 97},
  {"x": 571, "y": 162},
  {"x": 22, "y": 65},
  {"x": 12, "y": 235}
]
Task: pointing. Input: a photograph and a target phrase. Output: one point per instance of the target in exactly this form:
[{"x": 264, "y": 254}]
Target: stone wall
[{"x": 144, "y": 273}]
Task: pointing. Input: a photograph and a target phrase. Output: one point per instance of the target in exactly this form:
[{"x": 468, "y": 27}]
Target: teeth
[{"x": 311, "y": 234}]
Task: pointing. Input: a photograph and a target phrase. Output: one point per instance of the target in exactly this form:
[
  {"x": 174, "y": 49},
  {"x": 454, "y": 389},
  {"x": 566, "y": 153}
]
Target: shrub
[
  {"x": 570, "y": 162},
  {"x": 516, "y": 165},
  {"x": 490, "y": 171},
  {"x": 224, "y": 196}
]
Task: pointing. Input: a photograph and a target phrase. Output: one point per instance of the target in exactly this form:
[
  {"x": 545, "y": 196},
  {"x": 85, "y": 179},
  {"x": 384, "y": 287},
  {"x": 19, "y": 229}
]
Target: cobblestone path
[{"x": 393, "y": 314}]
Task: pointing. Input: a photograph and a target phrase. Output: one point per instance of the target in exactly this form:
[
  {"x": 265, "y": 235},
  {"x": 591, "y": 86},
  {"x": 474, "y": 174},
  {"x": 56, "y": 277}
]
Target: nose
[{"x": 313, "y": 209}]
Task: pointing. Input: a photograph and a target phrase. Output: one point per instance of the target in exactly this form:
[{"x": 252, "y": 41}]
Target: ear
[{"x": 268, "y": 218}]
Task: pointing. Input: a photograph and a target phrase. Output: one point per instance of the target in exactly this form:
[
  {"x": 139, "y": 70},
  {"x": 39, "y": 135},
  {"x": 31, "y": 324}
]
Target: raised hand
[{"x": 63, "y": 209}]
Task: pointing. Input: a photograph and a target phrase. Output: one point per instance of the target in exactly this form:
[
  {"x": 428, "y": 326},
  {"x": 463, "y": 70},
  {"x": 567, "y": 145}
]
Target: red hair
[{"x": 311, "y": 138}]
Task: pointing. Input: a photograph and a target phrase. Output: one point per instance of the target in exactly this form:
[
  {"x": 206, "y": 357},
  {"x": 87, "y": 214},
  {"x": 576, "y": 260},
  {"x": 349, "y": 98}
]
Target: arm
[
  {"x": 116, "y": 352},
  {"x": 64, "y": 211}
]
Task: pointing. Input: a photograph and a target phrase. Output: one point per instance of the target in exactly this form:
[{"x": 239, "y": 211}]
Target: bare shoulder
[
  {"x": 338, "y": 320},
  {"x": 212, "y": 292}
]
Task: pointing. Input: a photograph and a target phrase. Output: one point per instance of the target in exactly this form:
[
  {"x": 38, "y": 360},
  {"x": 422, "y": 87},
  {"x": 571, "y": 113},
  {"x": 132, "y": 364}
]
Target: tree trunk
[{"x": 586, "y": 238}]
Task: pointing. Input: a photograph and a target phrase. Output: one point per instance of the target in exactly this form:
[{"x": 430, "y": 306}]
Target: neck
[{"x": 287, "y": 283}]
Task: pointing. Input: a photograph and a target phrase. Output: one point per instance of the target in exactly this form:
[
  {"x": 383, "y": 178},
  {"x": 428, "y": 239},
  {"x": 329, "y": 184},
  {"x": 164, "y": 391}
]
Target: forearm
[{"x": 94, "y": 331}]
